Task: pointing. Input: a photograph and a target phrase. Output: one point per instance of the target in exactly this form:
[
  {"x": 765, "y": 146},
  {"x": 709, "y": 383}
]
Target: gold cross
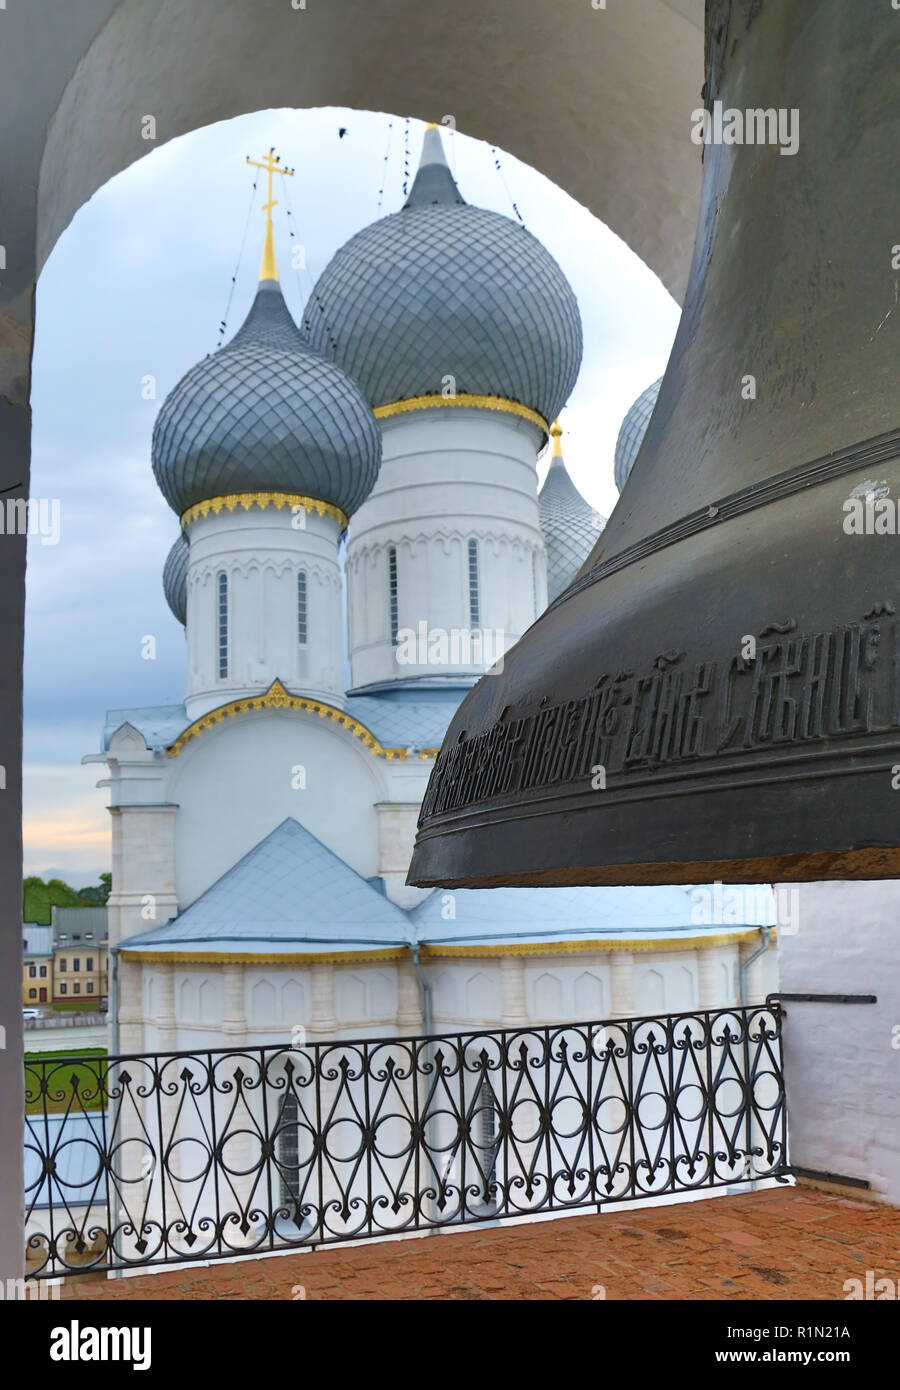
[{"x": 272, "y": 165}]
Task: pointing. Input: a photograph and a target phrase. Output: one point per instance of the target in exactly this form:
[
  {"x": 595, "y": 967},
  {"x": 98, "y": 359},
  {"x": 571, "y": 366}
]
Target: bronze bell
[{"x": 717, "y": 694}]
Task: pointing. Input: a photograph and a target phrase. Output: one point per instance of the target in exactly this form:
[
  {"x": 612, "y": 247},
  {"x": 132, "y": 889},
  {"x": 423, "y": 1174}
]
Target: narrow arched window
[
  {"x": 301, "y": 608},
  {"x": 223, "y": 624},
  {"x": 474, "y": 601},
  {"x": 392, "y": 593},
  {"x": 539, "y": 590}
]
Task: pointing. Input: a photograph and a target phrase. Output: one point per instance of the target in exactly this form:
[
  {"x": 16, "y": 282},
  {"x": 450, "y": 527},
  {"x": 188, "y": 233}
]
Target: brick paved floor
[{"x": 785, "y": 1243}]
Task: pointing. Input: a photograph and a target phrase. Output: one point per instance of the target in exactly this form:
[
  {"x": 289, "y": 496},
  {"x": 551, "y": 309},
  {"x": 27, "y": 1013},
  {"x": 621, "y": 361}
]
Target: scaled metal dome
[
  {"x": 632, "y": 431},
  {"x": 266, "y": 414},
  {"x": 175, "y": 578},
  {"x": 569, "y": 523},
  {"x": 444, "y": 289}
]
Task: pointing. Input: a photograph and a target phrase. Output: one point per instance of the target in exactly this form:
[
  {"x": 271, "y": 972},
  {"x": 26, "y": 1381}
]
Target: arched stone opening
[{"x": 597, "y": 99}]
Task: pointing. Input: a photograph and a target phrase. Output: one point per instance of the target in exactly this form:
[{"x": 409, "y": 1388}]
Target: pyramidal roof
[
  {"x": 289, "y": 890},
  {"x": 569, "y": 523}
]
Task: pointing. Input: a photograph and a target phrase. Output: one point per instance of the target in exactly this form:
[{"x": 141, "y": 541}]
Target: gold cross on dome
[{"x": 272, "y": 165}]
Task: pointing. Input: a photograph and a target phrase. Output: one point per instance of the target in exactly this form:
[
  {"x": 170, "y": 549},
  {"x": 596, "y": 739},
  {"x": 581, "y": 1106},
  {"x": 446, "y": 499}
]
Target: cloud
[{"x": 65, "y": 823}]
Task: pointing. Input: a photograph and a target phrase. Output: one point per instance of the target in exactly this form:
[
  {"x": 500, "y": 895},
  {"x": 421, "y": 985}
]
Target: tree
[
  {"x": 39, "y": 897},
  {"x": 96, "y": 895}
]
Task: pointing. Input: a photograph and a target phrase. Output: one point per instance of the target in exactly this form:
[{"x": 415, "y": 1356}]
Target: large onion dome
[
  {"x": 569, "y": 523},
  {"x": 444, "y": 289},
  {"x": 632, "y": 431},
  {"x": 175, "y": 578},
  {"x": 266, "y": 413}
]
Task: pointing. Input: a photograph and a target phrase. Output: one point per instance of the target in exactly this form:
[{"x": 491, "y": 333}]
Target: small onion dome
[
  {"x": 631, "y": 434},
  {"x": 570, "y": 525},
  {"x": 175, "y": 578},
  {"x": 266, "y": 414},
  {"x": 444, "y": 289}
]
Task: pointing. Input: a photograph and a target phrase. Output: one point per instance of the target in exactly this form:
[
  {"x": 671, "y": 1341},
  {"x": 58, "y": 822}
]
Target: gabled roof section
[
  {"x": 289, "y": 894},
  {"x": 158, "y": 725}
]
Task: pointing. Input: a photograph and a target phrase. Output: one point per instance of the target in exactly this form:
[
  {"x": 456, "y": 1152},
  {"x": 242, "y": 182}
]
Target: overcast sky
[{"x": 136, "y": 287}]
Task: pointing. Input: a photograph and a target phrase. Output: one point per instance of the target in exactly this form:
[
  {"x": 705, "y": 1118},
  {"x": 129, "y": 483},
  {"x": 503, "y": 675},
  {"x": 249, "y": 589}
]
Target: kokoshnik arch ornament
[{"x": 729, "y": 655}]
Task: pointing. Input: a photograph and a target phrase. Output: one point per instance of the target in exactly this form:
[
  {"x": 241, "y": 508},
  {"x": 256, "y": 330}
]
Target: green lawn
[{"x": 58, "y": 1074}]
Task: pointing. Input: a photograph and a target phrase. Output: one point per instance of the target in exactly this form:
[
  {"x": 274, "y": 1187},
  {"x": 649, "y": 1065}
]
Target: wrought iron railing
[{"x": 163, "y": 1158}]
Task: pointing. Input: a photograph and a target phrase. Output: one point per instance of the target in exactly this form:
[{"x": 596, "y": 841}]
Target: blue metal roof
[
  {"x": 159, "y": 725},
  {"x": 395, "y": 723},
  {"x": 406, "y": 724},
  {"x": 37, "y": 938},
  {"x": 482, "y": 915},
  {"x": 288, "y": 891}
]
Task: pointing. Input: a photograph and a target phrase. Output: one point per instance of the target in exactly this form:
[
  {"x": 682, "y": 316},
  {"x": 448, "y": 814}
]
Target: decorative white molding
[
  {"x": 370, "y": 551},
  {"x": 200, "y": 575}
]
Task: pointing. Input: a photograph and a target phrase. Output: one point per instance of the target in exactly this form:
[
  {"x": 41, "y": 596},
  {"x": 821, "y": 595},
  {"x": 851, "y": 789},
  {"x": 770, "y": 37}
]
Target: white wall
[
  {"x": 842, "y": 1061},
  {"x": 396, "y": 835},
  {"x": 555, "y": 988},
  {"x": 235, "y": 783},
  {"x": 382, "y": 998},
  {"x": 143, "y": 838},
  {"x": 448, "y": 475},
  {"x": 261, "y": 551}
]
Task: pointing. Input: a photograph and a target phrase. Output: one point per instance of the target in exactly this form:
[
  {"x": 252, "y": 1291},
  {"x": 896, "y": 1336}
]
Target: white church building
[{"x": 361, "y": 535}]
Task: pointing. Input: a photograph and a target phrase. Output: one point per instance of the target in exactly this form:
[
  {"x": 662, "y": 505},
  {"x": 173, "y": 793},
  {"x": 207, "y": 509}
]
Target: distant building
[
  {"x": 37, "y": 964},
  {"x": 80, "y": 943}
]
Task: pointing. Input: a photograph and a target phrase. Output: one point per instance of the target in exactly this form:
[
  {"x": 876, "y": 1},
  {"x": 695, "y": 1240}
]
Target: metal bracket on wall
[
  {"x": 779, "y": 999},
  {"x": 838, "y": 1178}
]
